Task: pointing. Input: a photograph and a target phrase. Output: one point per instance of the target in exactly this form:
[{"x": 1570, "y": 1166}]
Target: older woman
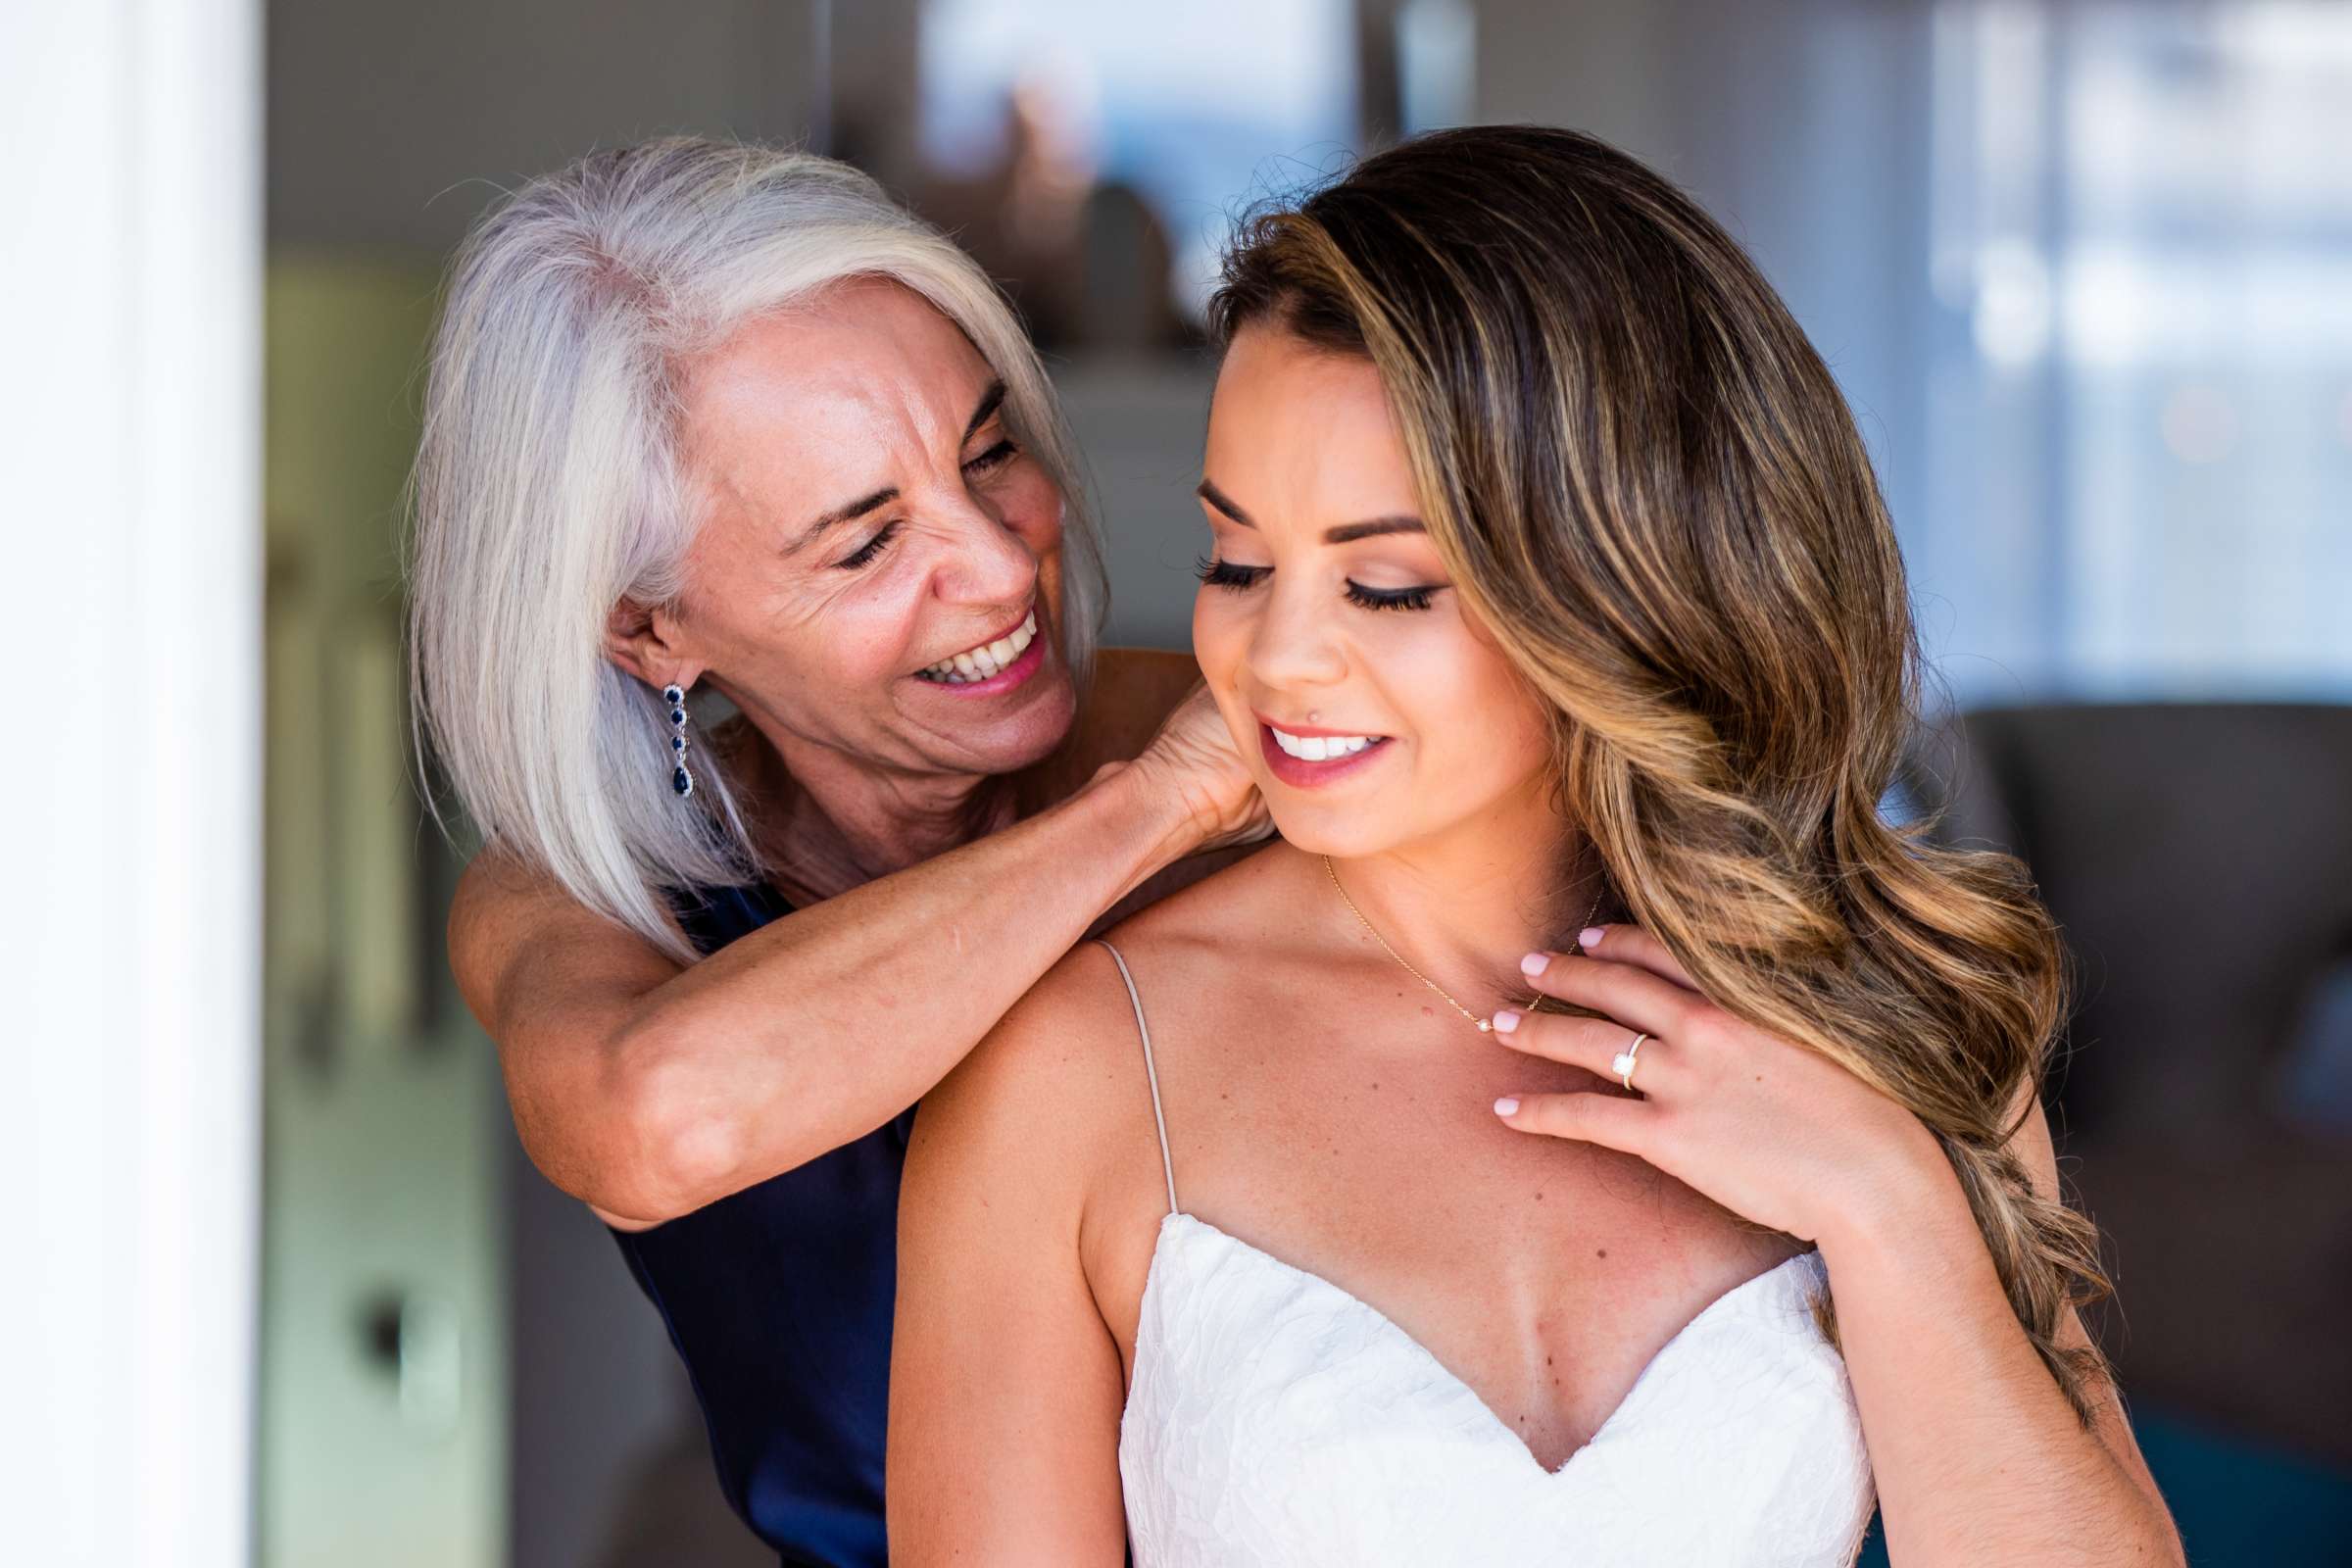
[{"x": 706, "y": 418}]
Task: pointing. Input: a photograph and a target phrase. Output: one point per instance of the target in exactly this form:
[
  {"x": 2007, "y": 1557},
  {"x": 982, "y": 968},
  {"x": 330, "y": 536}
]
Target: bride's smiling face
[{"x": 1375, "y": 713}]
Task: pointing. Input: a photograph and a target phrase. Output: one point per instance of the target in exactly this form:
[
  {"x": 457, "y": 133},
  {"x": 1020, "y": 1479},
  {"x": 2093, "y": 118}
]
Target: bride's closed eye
[{"x": 1227, "y": 574}]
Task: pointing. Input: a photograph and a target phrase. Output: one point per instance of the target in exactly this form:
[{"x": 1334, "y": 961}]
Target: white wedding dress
[{"x": 1274, "y": 1419}]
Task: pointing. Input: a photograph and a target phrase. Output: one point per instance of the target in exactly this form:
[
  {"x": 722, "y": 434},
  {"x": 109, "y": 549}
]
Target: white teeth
[
  {"x": 989, "y": 658},
  {"x": 1320, "y": 747}
]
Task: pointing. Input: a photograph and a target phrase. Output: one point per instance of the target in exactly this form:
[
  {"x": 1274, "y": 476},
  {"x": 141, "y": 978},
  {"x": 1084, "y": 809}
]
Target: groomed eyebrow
[
  {"x": 1343, "y": 533},
  {"x": 841, "y": 515},
  {"x": 989, "y": 401}
]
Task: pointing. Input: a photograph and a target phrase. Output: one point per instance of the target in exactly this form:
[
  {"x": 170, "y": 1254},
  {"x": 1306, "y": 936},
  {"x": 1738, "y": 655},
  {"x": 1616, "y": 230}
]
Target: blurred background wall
[{"x": 2084, "y": 269}]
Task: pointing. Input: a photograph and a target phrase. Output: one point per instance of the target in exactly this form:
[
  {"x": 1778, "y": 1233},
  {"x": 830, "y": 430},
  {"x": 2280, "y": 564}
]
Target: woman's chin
[
  {"x": 1027, "y": 738},
  {"x": 996, "y": 726},
  {"x": 1343, "y": 833}
]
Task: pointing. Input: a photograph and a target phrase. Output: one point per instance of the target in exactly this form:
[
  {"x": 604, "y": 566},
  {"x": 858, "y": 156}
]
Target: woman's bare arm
[
  {"x": 1978, "y": 1457},
  {"x": 1006, "y": 1385},
  {"x": 648, "y": 1090}
]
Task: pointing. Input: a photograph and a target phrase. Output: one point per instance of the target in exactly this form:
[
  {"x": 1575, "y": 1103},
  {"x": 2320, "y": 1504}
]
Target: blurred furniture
[{"x": 2199, "y": 859}]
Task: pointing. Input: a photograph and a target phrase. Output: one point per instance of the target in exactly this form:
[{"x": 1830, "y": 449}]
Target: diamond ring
[{"x": 1623, "y": 1064}]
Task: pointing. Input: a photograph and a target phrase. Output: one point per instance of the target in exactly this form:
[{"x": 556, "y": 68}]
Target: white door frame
[{"x": 130, "y": 798}]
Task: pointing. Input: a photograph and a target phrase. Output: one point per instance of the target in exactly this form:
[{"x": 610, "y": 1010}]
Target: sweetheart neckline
[{"x": 1390, "y": 1326}]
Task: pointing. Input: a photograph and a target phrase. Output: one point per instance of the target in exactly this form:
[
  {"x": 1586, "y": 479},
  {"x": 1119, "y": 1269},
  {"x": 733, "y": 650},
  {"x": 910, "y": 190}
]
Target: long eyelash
[
  {"x": 994, "y": 456},
  {"x": 1391, "y": 598},
  {"x": 1224, "y": 574},
  {"x": 867, "y": 551}
]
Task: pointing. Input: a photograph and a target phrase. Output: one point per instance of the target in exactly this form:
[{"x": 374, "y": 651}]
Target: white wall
[{"x": 130, "y": 544}]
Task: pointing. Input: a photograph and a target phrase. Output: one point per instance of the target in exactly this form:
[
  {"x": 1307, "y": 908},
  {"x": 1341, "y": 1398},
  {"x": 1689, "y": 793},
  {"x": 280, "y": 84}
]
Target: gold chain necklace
[{"x": 1485, "y": 1025}]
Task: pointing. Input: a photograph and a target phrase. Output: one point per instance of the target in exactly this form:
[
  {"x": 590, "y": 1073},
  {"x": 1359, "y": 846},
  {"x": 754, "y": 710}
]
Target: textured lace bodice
[{"x": 1273, "y": 1418}]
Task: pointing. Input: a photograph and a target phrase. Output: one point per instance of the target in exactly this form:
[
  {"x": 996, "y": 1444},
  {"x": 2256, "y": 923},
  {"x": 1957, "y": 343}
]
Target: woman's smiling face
[
  {"x": 1375, "y": 713},
  {"x": 878, "y": 571}
]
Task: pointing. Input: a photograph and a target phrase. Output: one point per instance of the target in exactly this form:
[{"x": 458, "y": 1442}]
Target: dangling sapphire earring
[{"x": 681, "y": 780}]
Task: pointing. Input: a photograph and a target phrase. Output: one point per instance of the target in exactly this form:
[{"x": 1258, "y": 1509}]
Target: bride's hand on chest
[{"x": 1774, "y": 1132}]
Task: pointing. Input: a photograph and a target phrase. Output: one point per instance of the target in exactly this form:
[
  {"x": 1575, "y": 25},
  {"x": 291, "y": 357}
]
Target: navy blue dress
[{"x": 779, "y": 1302}]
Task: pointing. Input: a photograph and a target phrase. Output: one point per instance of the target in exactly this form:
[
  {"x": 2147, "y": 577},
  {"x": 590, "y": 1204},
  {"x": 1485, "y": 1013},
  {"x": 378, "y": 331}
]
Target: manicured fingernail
[
  {"x": 1589, "y": 937},
  {"x": 1506, "y": 1021},
  {"x": 1535, "y": 964},
  {"x": 1506, "y": 1106}
]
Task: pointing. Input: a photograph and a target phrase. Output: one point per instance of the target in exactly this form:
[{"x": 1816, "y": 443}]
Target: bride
[{"x": 1304, "y": 1221}]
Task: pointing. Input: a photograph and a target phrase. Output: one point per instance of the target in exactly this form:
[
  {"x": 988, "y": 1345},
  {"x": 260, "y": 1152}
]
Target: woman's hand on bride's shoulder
[{"x": 1774, "y": 1132}]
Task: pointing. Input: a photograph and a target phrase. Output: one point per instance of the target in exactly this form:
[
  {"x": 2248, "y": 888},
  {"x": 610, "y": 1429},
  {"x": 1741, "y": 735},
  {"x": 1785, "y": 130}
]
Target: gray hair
[{"x": 548, "y": 485}]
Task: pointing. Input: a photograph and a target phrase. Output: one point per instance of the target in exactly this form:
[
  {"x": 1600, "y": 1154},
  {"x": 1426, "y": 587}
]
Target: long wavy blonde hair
[{"x": 1647, "y": 486}]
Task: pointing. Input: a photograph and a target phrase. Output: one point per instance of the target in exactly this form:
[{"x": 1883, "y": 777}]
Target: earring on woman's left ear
[{"x": 680, "y": 779}]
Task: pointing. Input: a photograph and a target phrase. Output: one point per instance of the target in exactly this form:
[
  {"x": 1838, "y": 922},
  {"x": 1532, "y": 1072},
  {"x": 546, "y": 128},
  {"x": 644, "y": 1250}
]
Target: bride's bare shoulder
[
  {"x": 1239, "y": 908},
  {"x": 1060, "y": 1077},
  {"x": 1036, "y": 1101}
]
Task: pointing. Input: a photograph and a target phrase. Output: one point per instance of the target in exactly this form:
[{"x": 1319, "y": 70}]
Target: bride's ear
[{"x": 646, "y": 641}]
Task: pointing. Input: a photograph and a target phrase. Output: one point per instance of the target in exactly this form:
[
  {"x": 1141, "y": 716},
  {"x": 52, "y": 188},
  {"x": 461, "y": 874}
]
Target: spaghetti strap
[{"x": 1151, "y": 1072}]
